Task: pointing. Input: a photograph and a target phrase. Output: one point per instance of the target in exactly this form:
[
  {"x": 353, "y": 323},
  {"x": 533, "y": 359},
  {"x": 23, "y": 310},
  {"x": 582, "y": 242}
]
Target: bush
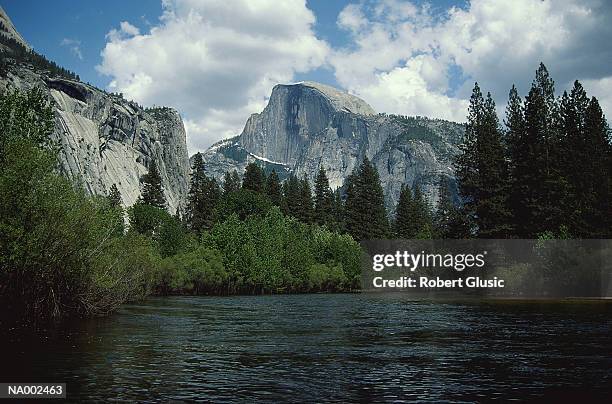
[
  {"x": 276, "y": 254},
  {"x": 197, "y": 272}
]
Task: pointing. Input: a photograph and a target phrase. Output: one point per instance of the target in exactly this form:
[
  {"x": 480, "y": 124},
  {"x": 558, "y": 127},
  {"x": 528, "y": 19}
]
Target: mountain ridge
[{"x": 306, "y": 125}]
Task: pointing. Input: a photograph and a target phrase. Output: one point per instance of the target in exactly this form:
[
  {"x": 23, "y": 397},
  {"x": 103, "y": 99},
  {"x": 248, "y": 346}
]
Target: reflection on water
[{"x": 326, "y": 347}]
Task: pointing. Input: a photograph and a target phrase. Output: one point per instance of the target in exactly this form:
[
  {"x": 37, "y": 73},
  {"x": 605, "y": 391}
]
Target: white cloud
[
  {"x": 74, "y": 45},
  {"x": 602, "y": 89},
  {"x": 402, "y": 57},
  {"x": 215, "y": 61},
  {"x": 125, "y": 31}
]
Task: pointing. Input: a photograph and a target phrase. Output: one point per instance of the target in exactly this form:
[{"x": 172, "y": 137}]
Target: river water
[{"x": 327, "y": 347}]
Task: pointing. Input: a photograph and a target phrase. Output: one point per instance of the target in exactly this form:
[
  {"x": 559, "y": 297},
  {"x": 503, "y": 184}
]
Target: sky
[{"x": 216, "y": 61}]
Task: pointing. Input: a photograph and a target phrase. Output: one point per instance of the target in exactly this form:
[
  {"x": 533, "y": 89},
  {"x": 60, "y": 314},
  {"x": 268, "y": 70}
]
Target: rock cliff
[
  {"x": 104, "y": 138},
  {"x": 307, "y": 125}
]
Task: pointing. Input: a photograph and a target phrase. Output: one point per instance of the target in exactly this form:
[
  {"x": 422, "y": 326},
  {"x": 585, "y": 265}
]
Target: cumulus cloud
[
  {"x": 215, "y": 61},
  {"x": 74, "y": 45},
  {"x": 408, "y": 59}
]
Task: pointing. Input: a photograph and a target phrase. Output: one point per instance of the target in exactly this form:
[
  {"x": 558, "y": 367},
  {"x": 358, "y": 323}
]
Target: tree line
[
  {"x": 544, "y": 173},
  {"x": 63, "y": 253},
  {"x": 547, "y": 172},
  {"x": 21, "y": 54}
]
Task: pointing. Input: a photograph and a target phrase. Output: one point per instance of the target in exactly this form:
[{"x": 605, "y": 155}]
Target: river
[{"x": 326, "y": 347}]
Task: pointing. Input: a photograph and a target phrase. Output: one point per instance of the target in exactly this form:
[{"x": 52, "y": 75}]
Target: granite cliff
[
  {"x": 307, "y": 125},
  {"x": 104, "y": 138}
]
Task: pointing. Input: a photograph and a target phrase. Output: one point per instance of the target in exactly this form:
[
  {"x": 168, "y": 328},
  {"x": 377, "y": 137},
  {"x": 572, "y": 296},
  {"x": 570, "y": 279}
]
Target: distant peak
[
  {"x": 340, "y": 99},
  {"x": 8, "y": 29}
]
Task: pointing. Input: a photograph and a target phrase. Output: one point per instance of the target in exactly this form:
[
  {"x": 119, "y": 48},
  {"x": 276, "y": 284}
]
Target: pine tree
[
  {"x": 305, "y": 203},
  {"x": 403, "y": 226},
  {"x": 597, "y": 180},
  {"x": 291, "y": 197},
  {"x": 515, "y": 126},
  {"x": 420, "y": 215},
  {"x": 365, "y": 214},
  {"x": 254, "y": 178},
  {"x": 466, "y": 164},
  {"x": 338, "y": 223},
  {"x": 114, "y": 197},
  {"x": 324, "y": 200},
  {"x": 539, "y": 190},
  {"x": 204, "y": 194},
  {"x": 482, "y": 171},
  {"x": 449, "y": 221},
  {"x": 152, "y": 190},
  {"x": 273, "y": 188},
  {"x": 231, "y": 182},
  {"x": 493, "y": 216}
]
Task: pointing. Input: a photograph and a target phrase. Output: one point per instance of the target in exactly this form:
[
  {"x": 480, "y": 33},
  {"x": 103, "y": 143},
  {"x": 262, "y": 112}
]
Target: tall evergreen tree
[
  {"x": 291, "y": 197},
  {"x": 338, "y": 213},
  {"x": 539, "y": 190},
  {"x": 420, "y": 215},
  {"x": 152, "y": 189},
  {"x": 597, "y": 181},
  {"x": 204, "y": 194},
  {"x": 324, "y": 200},
  {"x": 403, "y": 225},
  {"x": 231, "y": 182},
  {"x": 305, "y": 202},
  {"x": 482, "y": 170},
  {"x": 493, "y": 216},
  {"x": 365, "y": 214},
  {"x": 273, "y": 188},
  {"x": 449, "y": 221},
  {"x": 466, "y": 164},
  {"x": 114, "y": 196},
  {"x": 254, "y": 178}
]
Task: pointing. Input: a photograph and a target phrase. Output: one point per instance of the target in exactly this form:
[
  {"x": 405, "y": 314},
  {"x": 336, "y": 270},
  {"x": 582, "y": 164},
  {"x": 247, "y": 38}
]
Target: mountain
[
  {"x": 104, "y": 138},
  {"x": 307, "y": 125}
]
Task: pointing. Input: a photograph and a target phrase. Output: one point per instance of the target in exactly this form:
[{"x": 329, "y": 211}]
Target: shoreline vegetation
[{"x": 64, "y": 254}]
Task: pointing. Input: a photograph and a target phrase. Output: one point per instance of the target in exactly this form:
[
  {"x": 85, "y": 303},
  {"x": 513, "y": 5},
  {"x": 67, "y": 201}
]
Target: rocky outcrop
[
  {"x": 307, "y": 125},
  {"x": 108, "y": 140}
]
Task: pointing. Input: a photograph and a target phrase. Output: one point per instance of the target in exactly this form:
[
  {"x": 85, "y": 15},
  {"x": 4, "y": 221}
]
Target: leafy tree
[
  {"x": 243, "y": 203},
  {"x": 168, "y": 233},
  {"x": 365, "y": 214},
  {"x": 152, "y": 189},
  {"x": 61, "y": 253},
  {"x": 254, "y": 178},
  {"x": 273, "y": 189},
  {"x": 25, "y": 116},
  {"x": 324, "y": 200}
]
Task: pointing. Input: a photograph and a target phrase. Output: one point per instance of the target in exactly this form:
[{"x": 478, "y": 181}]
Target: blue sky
[
  {"x": 46, "y": 24},
  {"x": 217, "y": 60}
]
